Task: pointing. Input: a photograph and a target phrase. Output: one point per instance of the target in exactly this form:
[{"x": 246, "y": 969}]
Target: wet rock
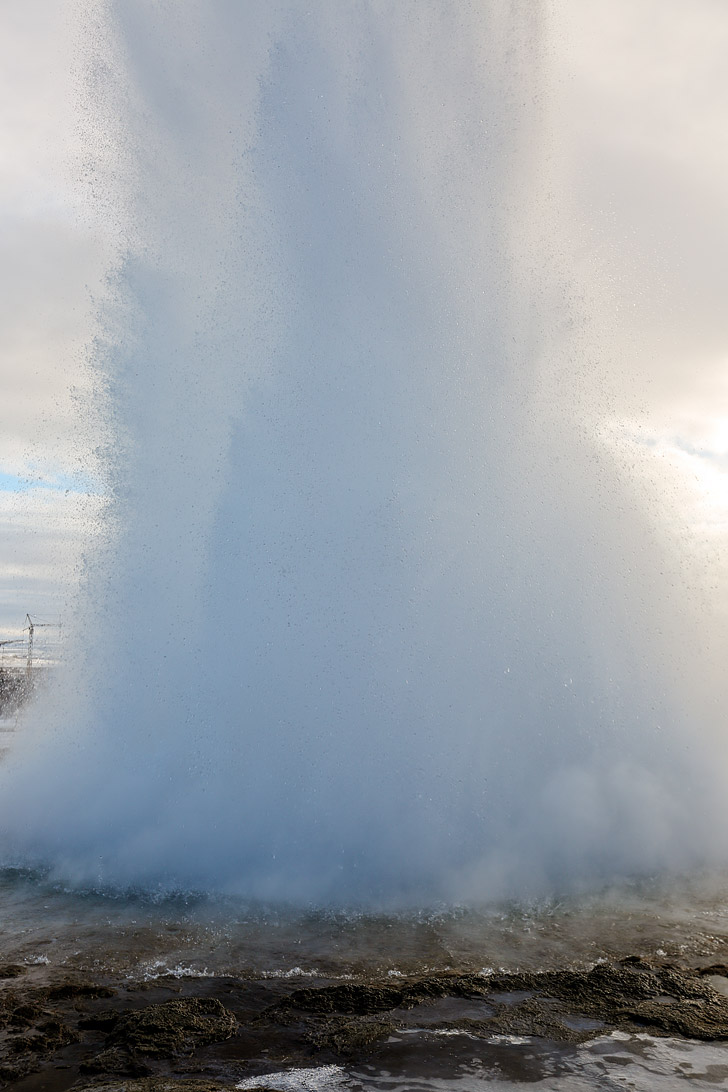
[
  {"x": 603, "y": 985},
  {"x": 12, "y": 970},
  {"x": 529, "y": 1017},
  {"x": 50, "y": 1035},
  {"x": 350, "y": 997},
  {"x": 26, "y": 1053},
  {"x": 11, "y": 1070},
  {"x": 635, "y": 961},
  {"x": 116, "y": 1060},
  {"x": 365, "y": 1000},
  {"x": 174, "y": 1027},
  {"x": 99, "y": 1021},
  {"x": 69, "y": 989},
  {"x": 346, "y": 1036},
  {"x": 124, "y": 1046},
  {"x": 23, "y": 1015},
  {"x": 703, "y": 1018},
  {"x": 562, "y": 1005},
  {"x": 158, "y": 1084},
  {"x": 718, "y": 982},
  {"x": 715, "y": 969}
]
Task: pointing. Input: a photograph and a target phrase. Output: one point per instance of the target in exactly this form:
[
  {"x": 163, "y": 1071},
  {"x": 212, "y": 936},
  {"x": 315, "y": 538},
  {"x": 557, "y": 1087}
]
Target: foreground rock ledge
[{"x": 212, "y": 1032}]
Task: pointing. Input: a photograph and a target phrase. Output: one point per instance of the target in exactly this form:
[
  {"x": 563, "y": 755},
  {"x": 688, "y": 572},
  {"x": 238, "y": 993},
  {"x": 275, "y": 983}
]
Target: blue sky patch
[{"x": 57, "y": 483}]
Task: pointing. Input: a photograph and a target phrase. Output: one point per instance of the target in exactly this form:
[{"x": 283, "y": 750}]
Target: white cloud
[
  {"x": 53, "y": 262},
  {"x": 41, "y": 537},
  {"x": 644, "y": 98}
]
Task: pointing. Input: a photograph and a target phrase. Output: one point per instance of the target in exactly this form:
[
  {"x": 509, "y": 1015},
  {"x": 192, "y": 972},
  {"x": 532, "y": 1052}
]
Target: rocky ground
[{"x": 212, "y": 1032}]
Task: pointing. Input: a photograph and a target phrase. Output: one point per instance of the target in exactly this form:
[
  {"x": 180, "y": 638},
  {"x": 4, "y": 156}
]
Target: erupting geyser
[{"x": 379, "y": 617}]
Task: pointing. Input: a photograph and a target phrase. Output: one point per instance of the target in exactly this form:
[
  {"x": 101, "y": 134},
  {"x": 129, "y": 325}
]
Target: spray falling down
[{"x": 380, "y": 618}]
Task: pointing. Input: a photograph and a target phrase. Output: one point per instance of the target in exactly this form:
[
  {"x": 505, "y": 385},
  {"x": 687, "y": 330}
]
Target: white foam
[
  {"x": 511, "y": 1040},
  {"x": 325, "y": 1078},
  {"x": 160, "y": 969},
  {"x": 291, "y": 972}
]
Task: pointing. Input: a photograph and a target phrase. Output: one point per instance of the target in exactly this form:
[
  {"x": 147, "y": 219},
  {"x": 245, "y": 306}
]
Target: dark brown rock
[
  {"x": 172, "y": 1028},
  {"x": 71, "y": 988},
  {"x": 118, "y": 1061},
  {"x": 12, "y": 970},
  {"x": 345, "y": 1036},
  {"x": 351, "y": 998}
]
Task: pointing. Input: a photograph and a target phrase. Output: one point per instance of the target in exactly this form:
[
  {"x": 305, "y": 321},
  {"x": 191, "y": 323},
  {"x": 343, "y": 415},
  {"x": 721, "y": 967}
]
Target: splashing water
[{"x": 380, "y": 617}]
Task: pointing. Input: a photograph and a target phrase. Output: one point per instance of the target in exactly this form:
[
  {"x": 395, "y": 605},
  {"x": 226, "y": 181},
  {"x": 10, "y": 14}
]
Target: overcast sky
[
  {"x": 642, "y": 93},
  {"x": 644, "y": 105},
  {"x": 53, "y": 261}
]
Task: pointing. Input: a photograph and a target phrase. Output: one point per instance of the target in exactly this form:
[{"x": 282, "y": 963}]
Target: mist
[{"x": 387, "y": 611}]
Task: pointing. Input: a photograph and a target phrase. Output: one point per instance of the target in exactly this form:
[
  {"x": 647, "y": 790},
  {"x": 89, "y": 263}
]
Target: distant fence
[{"x": 24, "y": 659}]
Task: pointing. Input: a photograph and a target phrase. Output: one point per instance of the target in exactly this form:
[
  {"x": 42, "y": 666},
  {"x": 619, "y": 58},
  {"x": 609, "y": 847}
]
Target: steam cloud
[{"x": 382, "y": 616}]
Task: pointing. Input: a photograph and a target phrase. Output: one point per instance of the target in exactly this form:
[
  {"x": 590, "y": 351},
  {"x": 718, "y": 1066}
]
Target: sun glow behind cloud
[
  {"x": 704, "y": 469},
  {"x": 643, "y": 96}
]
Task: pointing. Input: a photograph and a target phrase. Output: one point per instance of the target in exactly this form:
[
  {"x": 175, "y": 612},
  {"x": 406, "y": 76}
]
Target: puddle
[
  {"x": 581, "y": 1023},
  {"x": 514, "y": 997},
  {"x": 442, "y": 1011}
]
